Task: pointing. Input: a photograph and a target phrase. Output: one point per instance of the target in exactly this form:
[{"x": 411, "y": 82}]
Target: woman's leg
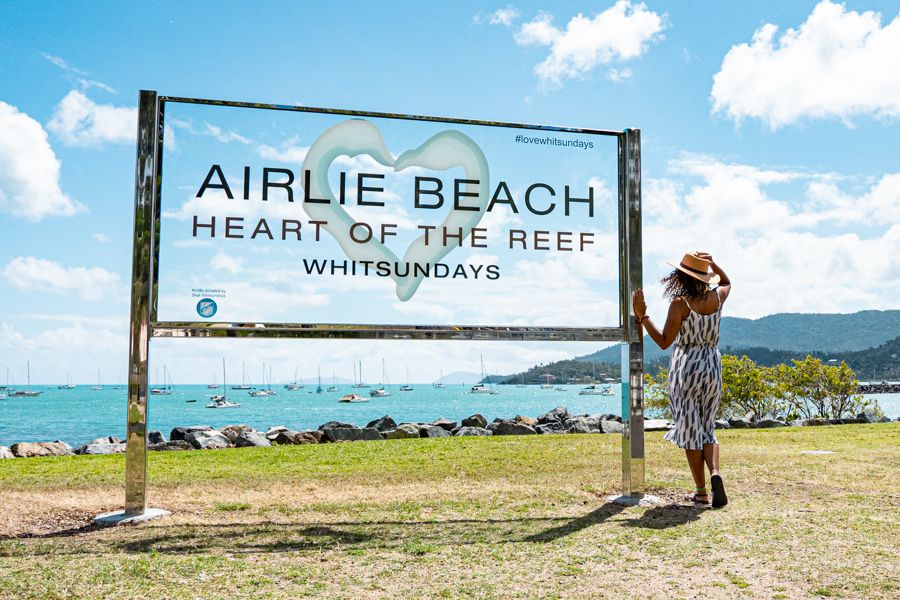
[
  {"x": 695, "y": 462},
  {"x": 711, "y": 457}
]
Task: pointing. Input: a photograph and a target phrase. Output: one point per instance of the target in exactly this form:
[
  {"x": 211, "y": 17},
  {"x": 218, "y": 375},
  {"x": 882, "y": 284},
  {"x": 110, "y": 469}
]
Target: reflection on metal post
[
  {"x": 633, "y": 349},
  {"x": 141, "y": 293}
]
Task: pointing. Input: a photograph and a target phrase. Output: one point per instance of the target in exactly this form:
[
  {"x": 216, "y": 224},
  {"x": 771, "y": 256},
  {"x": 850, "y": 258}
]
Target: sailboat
[
  {"x": 360, "y": 383},
  {"x": 319, "y": 386},
  {"x": 521, "y": 385},
  {"x": 99, "y": 385},
  {"x": 29, "y": 393},
  {"x": 68, "y": 385},
  {"x": 482, "y": 388},
  {"x": 222, "y": 401},
  {"x": 333, "y": 387},
  {"x": 407, "y": 387},
  {"x": 262, "y": 391},
  {"x": 380, "y": 391},
  {"x": 167, "y": 387},
  {"x": 595, "y": 389},
  {"x": 243, "y": 385},
  {"x": 547, "y": 385},
  {"x": 440, "y": 382},
  {"x": 293, "y": 386},
  {"x": 4, "y": 388},
  {"x": 213, "y": 385}
]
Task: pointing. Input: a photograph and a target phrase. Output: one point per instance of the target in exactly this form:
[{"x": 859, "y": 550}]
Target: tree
[
  {"x": 747, "y": 388},
  {"x": 656, "y": 392}
]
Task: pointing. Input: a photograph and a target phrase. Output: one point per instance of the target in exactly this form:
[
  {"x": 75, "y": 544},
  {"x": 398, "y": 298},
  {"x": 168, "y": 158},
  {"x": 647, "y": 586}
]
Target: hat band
[{"x": 697, "y": 271}]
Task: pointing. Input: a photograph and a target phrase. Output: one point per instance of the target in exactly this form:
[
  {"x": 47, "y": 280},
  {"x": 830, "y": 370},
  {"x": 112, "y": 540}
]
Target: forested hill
[{"x": 793, "y": 333}]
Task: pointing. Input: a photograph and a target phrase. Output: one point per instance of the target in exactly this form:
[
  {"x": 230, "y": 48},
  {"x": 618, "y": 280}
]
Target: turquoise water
[{"x": 79, "y": 415}]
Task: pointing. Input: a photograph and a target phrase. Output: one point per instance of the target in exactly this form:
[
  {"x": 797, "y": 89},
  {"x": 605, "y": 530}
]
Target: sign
[{"x": 313, "y": 216}]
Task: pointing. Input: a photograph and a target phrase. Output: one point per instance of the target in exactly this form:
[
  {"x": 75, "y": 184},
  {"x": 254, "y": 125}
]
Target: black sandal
[
  {"x": 697, "y": 498},
  {"x": 719, "y": 499}
]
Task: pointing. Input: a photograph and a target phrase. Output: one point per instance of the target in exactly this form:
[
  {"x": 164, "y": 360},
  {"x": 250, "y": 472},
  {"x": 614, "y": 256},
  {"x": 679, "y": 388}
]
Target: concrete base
[
  {"x": 119, "y": 517},
  {"x": 640, "y": 500}
]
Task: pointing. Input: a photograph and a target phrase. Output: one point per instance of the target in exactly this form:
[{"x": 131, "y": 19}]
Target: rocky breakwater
[{"x": 884, "y": 387}]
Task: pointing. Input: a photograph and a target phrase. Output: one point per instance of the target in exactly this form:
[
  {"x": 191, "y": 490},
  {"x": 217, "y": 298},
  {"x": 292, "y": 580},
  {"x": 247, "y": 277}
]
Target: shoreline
[{"x": 555, "y": 422}]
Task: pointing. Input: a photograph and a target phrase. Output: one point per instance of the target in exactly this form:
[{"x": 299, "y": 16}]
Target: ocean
[{"x": 79, "y": 415}]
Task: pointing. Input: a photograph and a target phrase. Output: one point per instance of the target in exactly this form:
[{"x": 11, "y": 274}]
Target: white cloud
[
  {"x": 288, "y": 154},
  {"x": 504, "y": 16},
  {"x": 79, "y": 121},
  {"x": 29, "y": 170},
  {"x": 28, "y": 273},
  {"x": 101, "y": 237},
  {"x": 622, "y": 32},
  {"x": 226, "y": 137},
  {"x": 225, "y": 262},
  {"x": 838, "y": 64}
]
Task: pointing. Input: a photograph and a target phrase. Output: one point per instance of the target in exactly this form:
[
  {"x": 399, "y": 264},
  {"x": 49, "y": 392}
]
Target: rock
[
  {"x": 233, "y": 431},
  {"x": 176, "y": 445},
  {"x": 246, "y": 439},
  {"x": 6, "y": 452},
  {"x": 180, "y": 433},
  {"x": 737, "y": 423},
  {"x": 111, "y": 439},
  {"x": 583, "y": 424},
  {"x": 560, "y": 414},
  {"x": 475, "y": 420},
  {"x": 815, "y": 422},
  {"x": 272, "y": 432},
  {"x": 472, "y": 431},
  {"x": 523, "y": 420},
  {"x": 884, "y": 420},
  {"x": 722, "y": 424},
  {"x": 156, "y": 437},
  {"x": 433, "y": 431},
  {"x": 403, "y": 431},
  {"x": 29, "y": 449},
  {"x": 770, "y": 423},
  {"x": 550, "y": 428},
  {"x": 313, "y": 436},
  {"x": 868, "y": 416},
  {"x": 101, "y": 448},
  {"x": 383, "y": 424},
  {"x": 351, "y": 434},
  {"x": 207, "y": 440},
  {"x": 796, "y": 423},
  {"x": 288, "y": 437},
  {"x": 607, "y": 426},
  {"x": 336, "y": 425},
  {"x": 853, "y": 421},
  {"x": 510, "y": 428},
  {"x": 657, "y": 425},
  {"x": 445, "y": 424},
  {"x": 284, "y": 436}
]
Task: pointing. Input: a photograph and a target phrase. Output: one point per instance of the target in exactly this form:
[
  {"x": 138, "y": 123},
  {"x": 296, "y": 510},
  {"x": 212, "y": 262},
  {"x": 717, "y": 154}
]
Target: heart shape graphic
[{"x": 442, "y": 151}]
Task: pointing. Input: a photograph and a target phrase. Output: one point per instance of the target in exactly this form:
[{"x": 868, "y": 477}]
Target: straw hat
[{"x": 696, "y": 267}]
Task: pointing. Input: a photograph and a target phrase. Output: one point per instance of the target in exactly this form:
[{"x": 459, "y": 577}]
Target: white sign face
[{"x": 279, "y": 216}]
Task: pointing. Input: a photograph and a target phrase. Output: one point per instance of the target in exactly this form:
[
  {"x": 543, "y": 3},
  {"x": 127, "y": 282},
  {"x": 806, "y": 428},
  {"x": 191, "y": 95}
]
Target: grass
[{"x": 464, "y": 517}]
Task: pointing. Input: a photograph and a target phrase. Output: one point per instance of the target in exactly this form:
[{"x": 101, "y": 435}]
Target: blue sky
[{"x": 769, "y": 131}]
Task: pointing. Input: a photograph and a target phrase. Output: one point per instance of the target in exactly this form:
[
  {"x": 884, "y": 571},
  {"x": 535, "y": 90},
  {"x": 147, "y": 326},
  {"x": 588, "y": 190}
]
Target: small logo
[{"x": 206, "y": 308}]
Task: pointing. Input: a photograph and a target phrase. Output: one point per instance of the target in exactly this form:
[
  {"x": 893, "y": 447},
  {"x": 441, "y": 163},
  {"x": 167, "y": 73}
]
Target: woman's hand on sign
[{"x": 638, "y": 304}]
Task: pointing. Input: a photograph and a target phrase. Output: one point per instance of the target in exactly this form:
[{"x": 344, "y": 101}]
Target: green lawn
[{"x": 472, "y": 517}]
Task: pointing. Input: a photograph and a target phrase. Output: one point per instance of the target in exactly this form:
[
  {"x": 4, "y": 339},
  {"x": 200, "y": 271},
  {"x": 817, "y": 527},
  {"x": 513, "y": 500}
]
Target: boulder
[
  {"x": 475, "y": 420},
  {"x": 610, "y": 417},
  {"x": 171, "y": 445},
  {"x": 868, "y": 416},
  {"x": 552, "y": 427},
  {"x": 29, "y": 449},
  {"x": 272, "y": 432},
  {"x": 510, "y": 428},
  {"x": 607, "y": 426},
  {"x": 523, "y": 420},
  {"x": 657, "y": 425},
  {"x": 854, "y": 421},
  {"x": 884, "y": 420},
  {"x": 350, "y": 434},
  {"x": 722, "y": 424},
  {"x": 558, "y": 415},
  {"x": 313, "y": 436},
  {"x": 770, "y": 423},
  {"x": 111, "y": 439},
  {"x": 156, "y": 437},
  {"x": 6, "y": 452},
  {"x": 583, "y": 424},
  {"x": 233, "y": 431},
  {"x": 403, "y": 431},
  {"x": 101, "y": 448},
  {"x": 383, "y": 424},
  {"x": 433, "y": 431},
  {"x": 472, "y": 431},
  {"x": 207, "y": 440},
  {"x": 180, "y": 433},
  {"x": 737, "y": 423},
  {"x": 443, "y": 423},
  {"x": 336, "y": 425},
  {"x": 246, "y": 439},
  {"x": 815, "y": 422}
]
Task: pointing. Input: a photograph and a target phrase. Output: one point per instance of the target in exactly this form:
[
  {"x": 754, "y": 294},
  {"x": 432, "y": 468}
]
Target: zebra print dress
[{"x": 695, "y": 381}]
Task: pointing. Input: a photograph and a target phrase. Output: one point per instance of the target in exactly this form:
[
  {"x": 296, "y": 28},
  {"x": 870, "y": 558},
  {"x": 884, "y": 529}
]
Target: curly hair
[{"x": 681, "y": 285}]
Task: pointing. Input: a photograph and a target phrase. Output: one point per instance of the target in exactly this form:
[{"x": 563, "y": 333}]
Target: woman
[{"x": 695, "y": 373}]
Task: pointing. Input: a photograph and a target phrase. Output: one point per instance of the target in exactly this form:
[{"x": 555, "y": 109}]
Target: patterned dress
[{"x": 695, "y": 381}]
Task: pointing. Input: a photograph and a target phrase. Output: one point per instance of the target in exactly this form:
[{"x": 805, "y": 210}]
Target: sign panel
[{"x": 311, "y": 216}]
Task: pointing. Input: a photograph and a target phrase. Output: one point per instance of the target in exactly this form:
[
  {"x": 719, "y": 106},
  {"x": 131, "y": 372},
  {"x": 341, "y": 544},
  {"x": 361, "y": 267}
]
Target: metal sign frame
[{"x": 144, "y": 326}]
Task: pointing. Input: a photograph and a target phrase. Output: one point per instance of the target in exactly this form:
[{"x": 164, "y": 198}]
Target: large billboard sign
[{"x": 279, "y": 215}]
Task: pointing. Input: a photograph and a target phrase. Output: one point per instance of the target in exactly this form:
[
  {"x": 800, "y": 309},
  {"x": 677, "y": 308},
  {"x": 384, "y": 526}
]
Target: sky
[{"x": 769, "y": 139}]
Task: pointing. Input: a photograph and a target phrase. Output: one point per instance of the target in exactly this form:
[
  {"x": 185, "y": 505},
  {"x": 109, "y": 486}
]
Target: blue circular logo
[{"x": 207, "y": 307}]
